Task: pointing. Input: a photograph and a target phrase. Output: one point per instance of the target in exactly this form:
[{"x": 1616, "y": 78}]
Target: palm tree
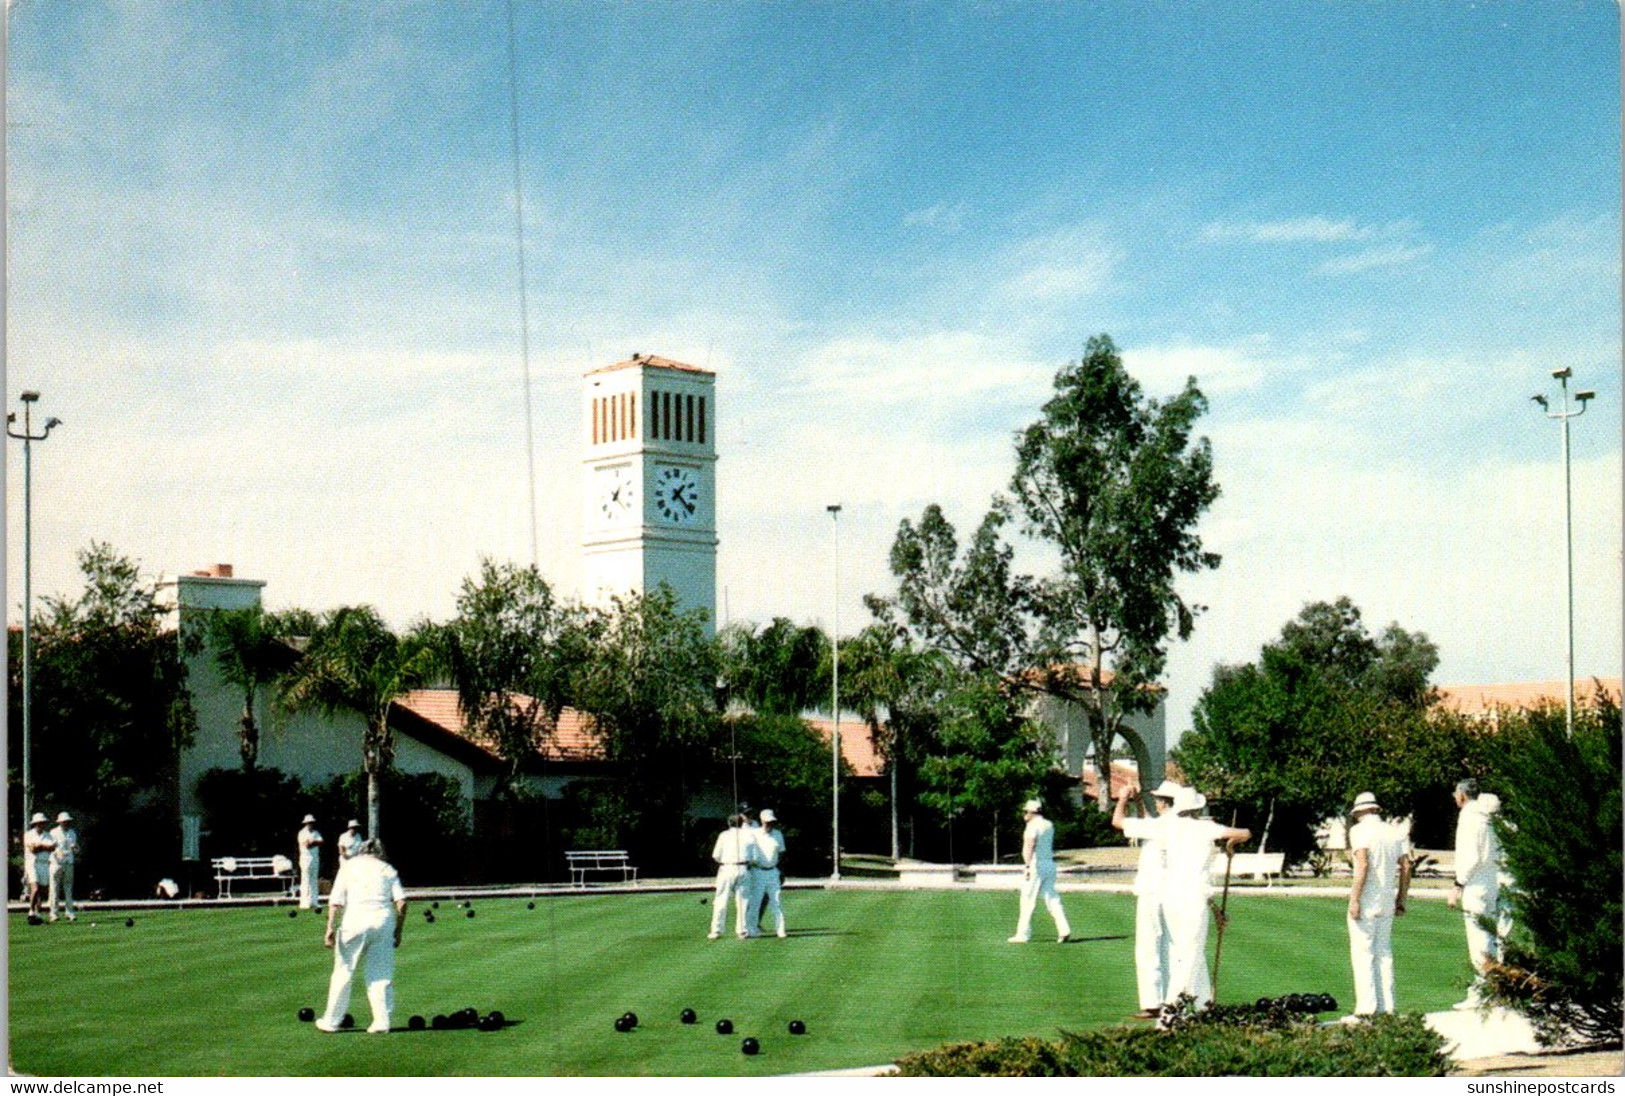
[
  {"x": 248, "y": 654},
  {"x": 895, "y": 686},
  {"x": 355, "y": 663}
]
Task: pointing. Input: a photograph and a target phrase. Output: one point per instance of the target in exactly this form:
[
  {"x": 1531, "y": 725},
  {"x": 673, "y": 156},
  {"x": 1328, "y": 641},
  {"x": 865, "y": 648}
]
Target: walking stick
[{"x": 1224, "y": 902}]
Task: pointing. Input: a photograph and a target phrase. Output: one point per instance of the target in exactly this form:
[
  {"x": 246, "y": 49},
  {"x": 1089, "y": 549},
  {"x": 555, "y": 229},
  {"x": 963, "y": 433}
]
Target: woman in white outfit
[
  {"x": 1186, "y": 884},
  {"x": 365, "y": 913}
]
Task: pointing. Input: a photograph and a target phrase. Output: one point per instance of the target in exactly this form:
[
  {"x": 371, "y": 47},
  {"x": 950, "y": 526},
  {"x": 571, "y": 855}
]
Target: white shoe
[
  {"x": 714, "y": 936},
  {"x": 782, "y": 934},
  {"x": 1017, "y": 940},
  {"x": 323, "y": 1025},
  {"x": 1063, "y": 938},
  {"x": 378, "y": 1030}
]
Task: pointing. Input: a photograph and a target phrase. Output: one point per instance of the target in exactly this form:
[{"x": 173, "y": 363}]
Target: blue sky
[{"x": 263, "y": 263}]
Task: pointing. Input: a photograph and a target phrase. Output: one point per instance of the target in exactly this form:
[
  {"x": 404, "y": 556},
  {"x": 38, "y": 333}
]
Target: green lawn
[{"x": 874, "y": 974}]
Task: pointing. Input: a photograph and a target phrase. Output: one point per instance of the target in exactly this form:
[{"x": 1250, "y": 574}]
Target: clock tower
[{"x": 650, "y": 428}]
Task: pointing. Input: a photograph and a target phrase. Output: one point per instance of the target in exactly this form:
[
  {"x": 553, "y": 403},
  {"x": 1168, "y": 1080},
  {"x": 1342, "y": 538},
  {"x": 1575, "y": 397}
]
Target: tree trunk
[
  {"x": 248, "y": 737},
  {"x": 372, "y": 805},
  {"x": 1264, "y": 841},
  {"x": 896, "y": 845}
]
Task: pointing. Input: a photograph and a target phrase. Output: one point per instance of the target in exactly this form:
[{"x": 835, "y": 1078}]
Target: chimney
[{"x": 218, "y": 570}]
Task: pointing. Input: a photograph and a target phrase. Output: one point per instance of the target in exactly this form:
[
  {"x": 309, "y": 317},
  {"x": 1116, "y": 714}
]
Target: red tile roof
[
  {"x": 573, "y": 741},
  {"x": 857, "y": 748},
  {"x": 1477, "y": 700},
  {"x": 652, "y": 361}
]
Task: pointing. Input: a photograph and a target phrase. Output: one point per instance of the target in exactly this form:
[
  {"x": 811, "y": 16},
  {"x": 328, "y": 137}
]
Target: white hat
[
  {"x": 64, "y": 817},
  {"x": 767, "y": 815},
  {"x": 1166, "y": 790},
  {"x": 1032, "y": 806},
  {"x": 1365, "y": 801},
  {"x": 308, "y": 819},
  {"x": 37, "y": 819},
  {"x": 1188, "y": 799},
  {"x": 354, "y": 825}
]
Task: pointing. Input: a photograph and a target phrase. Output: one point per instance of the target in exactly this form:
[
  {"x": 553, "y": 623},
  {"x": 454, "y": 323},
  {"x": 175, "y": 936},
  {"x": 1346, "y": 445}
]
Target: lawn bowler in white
[
  {"x": 1150, "y": 925},
  {"x": 365, "y": 914},
  {"x": 37, "y": 848},
  {"x": 350, "y": 841},
  {"x": 65, "y": 840},
  {"x": 310, "y": 863},
  {"x": 1478, "y": 881},
  {"x": 1038, "y": 875},
  {"x": 764, "y": 873},
  {"x": 1186, "y": 886},
  {"x": 734, "y": 852},
  {"x": 1382, "y": 875}
]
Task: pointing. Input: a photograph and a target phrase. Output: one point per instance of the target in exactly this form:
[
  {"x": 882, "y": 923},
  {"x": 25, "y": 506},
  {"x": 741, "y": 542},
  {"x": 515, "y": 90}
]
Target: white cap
[
  {"x": 308, "y": 819},
  {"x": 1365, "y": 801},
  {"x": 1166, "y": 790},
  {"x": 354, "y": 825},
  {"x": 767, "y": 815},
  {"x": 1032, "y": 806},
  {"x": 1188, "y": 799},
  {"x": 37, "y": 819}
]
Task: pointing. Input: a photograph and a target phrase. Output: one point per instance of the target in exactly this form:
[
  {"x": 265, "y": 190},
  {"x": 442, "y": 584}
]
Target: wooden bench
[
  {"x": 582, "y": 861},
  {"x": 1260, "y": 865},
  {"x": 919, "y": 873},
  {"x": 278, "y": 870}
]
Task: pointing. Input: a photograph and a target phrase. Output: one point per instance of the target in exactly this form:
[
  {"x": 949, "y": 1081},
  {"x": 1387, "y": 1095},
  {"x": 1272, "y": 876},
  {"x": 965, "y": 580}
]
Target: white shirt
[
  {"x": 310, "y": 840},
  {"x": 769, "y": 847},
  {"x": 367, "y": 887},
  {"x": 1148, "y": 831},
  {"x": 1188, "y": 851},
  {"x": 67, "y": 844},
  {"x": 734, "y": 848},
  {"x": 1384, "y": 844},
  {"x": 1478, "y": 855},
  {"x": 37, "y": 845},
  {"x": 350, "y": 843},
  {"x": 1040, "y": 832}
]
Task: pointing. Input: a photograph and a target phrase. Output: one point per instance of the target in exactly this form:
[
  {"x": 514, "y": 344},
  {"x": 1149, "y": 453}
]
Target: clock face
[
  {"x": 676, "y": 494},
  {"x": 616, "y": 493}
]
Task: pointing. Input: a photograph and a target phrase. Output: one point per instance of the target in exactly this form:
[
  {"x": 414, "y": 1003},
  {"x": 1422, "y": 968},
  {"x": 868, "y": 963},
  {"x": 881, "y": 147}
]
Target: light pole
[
  {"x": 28, "y": 437},
  {"x": 835, "y": 709},
  {"x": 1562, "y": 377}
]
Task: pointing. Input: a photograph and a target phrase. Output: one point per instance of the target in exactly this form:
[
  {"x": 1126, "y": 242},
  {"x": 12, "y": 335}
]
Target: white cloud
[
  {"x": 1058, "y": 267},
  {"x": 1162, "y": 368},
  {"x": 1371, "y": 258},
  {"x": 948, "y": 217},
  {"x": 1315, "y": 229},
  {"x": 935, "y": 368}
]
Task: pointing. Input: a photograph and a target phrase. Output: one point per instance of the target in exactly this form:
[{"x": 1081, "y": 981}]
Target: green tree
[
  {"x": 1112, "y": 483},
  {"x": 355, "y": 664},
  {"x": 649, "y": 685},
  {"x": 111, "y": 709},
  {"x": 780, "y": 670},
  {"x": 991, "y": 756},
  {"x": 1115, "y": 483},
  {"x": 513, "y": 653},
  {"x": 1561, "y": 828},
  {"x": 897, "y": 687},
  {"x": 250, "y": 653},
  {"x": 1326, "y": 712}
]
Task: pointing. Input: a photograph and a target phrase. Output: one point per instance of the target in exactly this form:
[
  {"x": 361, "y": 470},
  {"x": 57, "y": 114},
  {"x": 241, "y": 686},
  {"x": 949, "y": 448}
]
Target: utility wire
[{"x": 524, "y": 293}]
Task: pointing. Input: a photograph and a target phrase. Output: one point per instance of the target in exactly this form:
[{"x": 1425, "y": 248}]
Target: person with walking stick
[{"x": 1188, "y": 850}]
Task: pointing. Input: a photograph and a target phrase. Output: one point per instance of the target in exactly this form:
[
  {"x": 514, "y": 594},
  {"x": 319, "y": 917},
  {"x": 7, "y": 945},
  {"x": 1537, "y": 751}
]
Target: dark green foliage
[
  {"x": 781, "y": 670},
  {"x": 1325, "y": 713},
  {"x": 110, "y": 709},
  {"x": 428, "y": 831},
  {"x": 1390, "y": 1046},
  {"x": 253, "y": 812},
  {"x": 250, "y": 653},
  {"x": 785, "y": 765},
  {"x": 1560, "y": 827}
]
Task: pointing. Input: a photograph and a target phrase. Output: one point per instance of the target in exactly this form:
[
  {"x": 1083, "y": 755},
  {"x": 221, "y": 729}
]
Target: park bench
[
  {"x": 918, "y": 873},
  {"x": 582, "y": 861},
  {"x": 1260, "y": 865},
  {"x": 236, "y": 870}
]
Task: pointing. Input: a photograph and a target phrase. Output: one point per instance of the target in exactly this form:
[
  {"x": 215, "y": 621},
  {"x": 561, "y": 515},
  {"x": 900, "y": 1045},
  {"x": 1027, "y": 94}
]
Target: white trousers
[
  {"x": 765, "y": 887},
  {"x": 1187, "y": 950},
  {"x": 309, "y": 892},
  {"x": 1041, "y": 884},
  {"x": 62, "y": 889},
  {"x": 367, "y": 943},
  {"x": 733, "y": 884},
  {"x": 1371, "y": 953},
  {"x": 1150, "y": 950}
]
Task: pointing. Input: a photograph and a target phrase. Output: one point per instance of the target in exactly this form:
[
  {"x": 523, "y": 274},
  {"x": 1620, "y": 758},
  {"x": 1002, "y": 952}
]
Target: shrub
[
  {"x": 1388, "y": 1046},
  {"x": 252, "y": 813},
  {"x": 1560, "y": 830},
  {"x": 424, "y": 828}
]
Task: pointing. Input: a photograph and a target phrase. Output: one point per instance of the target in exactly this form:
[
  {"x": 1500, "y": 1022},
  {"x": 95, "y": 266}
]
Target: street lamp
[
  {"x": 1584, "y": 397},
  {"x": 835, "y": 710},
  {"x": 28, "y": 437}
]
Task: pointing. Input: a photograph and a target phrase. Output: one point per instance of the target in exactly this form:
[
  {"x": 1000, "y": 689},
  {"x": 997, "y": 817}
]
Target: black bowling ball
[
  {"x": 415, "y": 1024},
  {"x": 688, "y": 1016},
  {"x": 621, "y": 1025},
  {"x": 631, "y": 1018},
  {"x": 348, "y": 1022},
  {"x": 797, "y": 1027},
  {"x": 306, "y": 1015},
  {"x": 441, "y": 1022},
  {"x": 725, "y": 1027},
  {"x": 750, "y": 1046}
]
